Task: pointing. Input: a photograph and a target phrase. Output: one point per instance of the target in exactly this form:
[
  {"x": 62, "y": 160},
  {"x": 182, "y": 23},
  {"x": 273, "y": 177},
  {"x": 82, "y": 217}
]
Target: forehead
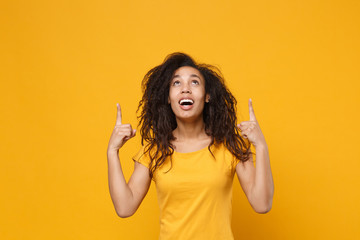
[{"x": 187, "y": 71}]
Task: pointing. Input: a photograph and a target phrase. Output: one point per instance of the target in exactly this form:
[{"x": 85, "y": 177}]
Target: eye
[
  {"x": 176, "y": 83},
  {"x": 196, "y": 82}
]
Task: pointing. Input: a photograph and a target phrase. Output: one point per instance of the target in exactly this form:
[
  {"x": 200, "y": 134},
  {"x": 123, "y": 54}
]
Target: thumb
[{"x": 133, "y": 133}]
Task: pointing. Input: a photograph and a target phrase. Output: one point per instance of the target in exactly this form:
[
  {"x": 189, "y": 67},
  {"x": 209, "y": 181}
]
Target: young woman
[{"x": 191, "y": 148}]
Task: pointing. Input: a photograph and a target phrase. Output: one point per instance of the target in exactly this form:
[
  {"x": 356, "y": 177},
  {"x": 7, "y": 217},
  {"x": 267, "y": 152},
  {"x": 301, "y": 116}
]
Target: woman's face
[{"x": 187, "y": 93}]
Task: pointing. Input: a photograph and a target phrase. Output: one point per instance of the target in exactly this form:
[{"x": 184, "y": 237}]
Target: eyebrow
[{"x": 192, "y": 75}]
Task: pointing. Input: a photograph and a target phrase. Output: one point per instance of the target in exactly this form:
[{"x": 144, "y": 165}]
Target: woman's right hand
[{"x": 121, "y": 133}]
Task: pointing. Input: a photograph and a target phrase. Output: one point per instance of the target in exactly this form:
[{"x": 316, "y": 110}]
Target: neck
[{"x": 187, "y": 131}]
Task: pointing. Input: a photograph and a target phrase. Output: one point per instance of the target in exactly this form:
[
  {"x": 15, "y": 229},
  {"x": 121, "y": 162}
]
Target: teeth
[{"x": 186, "y": 100}]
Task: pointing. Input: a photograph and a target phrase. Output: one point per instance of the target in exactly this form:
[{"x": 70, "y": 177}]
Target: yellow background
[{"x": 65, "y": 64}]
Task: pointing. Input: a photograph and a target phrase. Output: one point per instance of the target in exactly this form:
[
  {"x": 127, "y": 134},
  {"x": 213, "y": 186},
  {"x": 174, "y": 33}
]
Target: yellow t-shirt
[{"x": 195, "y": 196}]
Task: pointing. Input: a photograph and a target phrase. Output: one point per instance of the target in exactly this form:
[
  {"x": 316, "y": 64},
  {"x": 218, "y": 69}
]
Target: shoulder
[
  {"x": 142, "y": 156},
  {"x": 220, "y": 150}
]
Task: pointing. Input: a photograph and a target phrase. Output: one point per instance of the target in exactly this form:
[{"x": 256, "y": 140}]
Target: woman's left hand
[{"x": 251, "y": 129}]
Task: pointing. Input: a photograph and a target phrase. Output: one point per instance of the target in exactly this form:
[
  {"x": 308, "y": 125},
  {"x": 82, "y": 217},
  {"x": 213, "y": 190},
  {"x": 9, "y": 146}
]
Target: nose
[{"x": 185, "y": 89}]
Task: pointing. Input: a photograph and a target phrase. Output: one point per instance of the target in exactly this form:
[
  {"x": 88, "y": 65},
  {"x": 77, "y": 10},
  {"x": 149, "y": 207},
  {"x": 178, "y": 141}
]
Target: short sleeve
[
  {"x": 234, "y": 163},
  {"x": 141, "y": 157},
  {"x": 230, "y": 159}
]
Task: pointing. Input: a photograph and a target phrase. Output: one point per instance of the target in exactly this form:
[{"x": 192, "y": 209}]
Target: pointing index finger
[
  {"x": 118, "y": 116},
  {"x": 251, "y": 111}
]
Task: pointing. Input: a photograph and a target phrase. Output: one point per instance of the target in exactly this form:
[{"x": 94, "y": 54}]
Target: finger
[
  {"x": 242, "y": 128},
  {"x": 126, "y": 126},
  {"x": 128, "y": 135},
  {"x": 251, "y": 111},
  {"x": 118, "y": 117},
  {"x": 244, "y": 135},
  {"x": 245, "y": 123},
  {"x": 133, "y": 133}
]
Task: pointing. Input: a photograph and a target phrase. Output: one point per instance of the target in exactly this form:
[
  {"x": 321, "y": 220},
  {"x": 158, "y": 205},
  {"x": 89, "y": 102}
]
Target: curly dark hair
[{"x": 158, "y": 121}]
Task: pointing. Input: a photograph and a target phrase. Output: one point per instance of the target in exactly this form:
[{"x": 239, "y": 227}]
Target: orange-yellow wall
[{"x": 65, "y": 64}]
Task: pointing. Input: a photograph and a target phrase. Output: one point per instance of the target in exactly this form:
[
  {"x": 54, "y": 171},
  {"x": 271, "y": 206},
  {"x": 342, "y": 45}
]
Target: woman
[{"x": 191, "y": 149}]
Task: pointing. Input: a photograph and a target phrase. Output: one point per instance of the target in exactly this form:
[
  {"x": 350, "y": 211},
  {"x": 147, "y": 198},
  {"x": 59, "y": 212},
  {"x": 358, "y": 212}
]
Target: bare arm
[
  {"x": 257, "y": 183},
  {"x": 126, "y": 197},
  {"x": 263, "y": 188}
]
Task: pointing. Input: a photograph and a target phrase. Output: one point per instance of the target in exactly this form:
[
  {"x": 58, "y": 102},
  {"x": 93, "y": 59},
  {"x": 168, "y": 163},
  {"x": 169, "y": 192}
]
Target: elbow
[
  {"x": 262, "y": 207},
  {"x": 265, "y": 208},
  {"x": 124, "y": 213}
]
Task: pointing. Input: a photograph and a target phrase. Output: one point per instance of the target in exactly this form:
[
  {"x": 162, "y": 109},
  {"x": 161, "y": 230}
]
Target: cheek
[
  {"x": 172, "y": 100},
  {"x": 171, "y": 97},
  {"x": 201, "y": 94}
]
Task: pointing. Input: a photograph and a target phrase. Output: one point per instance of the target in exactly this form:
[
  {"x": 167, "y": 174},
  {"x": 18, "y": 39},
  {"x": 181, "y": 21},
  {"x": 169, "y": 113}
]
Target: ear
[
  {"x": 168, "y": 100},
  {"x": 207, "y": 98}
]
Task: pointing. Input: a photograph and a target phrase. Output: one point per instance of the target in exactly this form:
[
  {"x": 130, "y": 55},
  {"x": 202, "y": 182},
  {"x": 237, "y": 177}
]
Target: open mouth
[{"x": 186, "y": 102}]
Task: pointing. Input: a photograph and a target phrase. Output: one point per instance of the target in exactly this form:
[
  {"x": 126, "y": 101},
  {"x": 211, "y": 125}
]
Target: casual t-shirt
[{"x": 195, "y": 195}]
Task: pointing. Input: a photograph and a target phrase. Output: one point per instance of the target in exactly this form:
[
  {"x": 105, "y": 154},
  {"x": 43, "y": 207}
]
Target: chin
[{"x": 188, "y": 117}]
